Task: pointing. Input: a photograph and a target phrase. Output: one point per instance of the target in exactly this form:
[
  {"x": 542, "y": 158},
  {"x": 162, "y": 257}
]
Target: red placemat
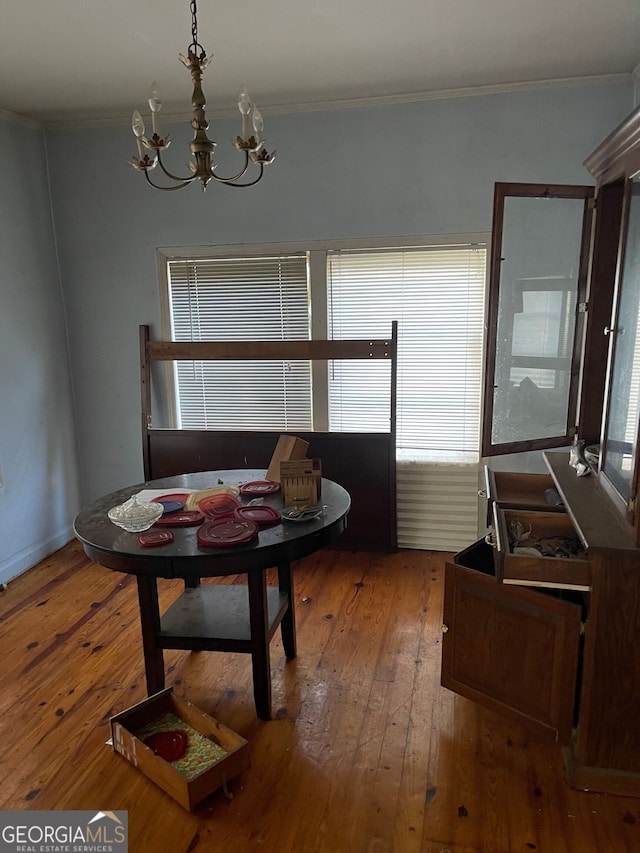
[
  {"x": 186, "y": 518},
  {"x": 169, "y": 506},
  {"x": 226, "y": 532},
  {"x": 260, "y": 487},
  {"x": 174, "y": 496},
  {"x": 218, "y": 506},
  {"x": 263, "y": 516},
  {"x": 154, "y": 538}
]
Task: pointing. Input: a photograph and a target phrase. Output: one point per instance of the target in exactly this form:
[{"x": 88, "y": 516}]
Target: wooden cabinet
[
  {"x": 552, "y": 641},
  {"x": 563, "y": 343},
  {"x": 604, "y": 753},
  {"x": 510, "y": 649}
]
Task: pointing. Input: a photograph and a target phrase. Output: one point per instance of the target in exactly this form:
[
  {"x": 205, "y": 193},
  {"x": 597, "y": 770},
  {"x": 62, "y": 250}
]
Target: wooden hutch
[{"x": 552, "y": 639}]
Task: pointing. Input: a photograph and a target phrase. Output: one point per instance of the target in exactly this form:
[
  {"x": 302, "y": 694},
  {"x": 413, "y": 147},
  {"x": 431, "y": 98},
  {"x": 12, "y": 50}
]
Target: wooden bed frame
[{"x": 363, "y": 463}]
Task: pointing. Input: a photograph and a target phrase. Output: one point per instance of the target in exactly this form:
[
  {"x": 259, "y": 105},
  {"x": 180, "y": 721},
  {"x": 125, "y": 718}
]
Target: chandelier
[{"x": 203, "y": 168}]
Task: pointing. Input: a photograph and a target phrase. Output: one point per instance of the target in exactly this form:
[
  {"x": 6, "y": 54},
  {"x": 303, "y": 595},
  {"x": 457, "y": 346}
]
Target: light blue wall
[
  {"x": 410, "y": 169},
  {"x": 37, "y": 433}
]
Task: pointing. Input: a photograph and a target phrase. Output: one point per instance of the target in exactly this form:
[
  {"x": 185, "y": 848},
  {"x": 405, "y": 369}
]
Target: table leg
[
  {"x": 150, "y": 624},
  {"x": 288, "y": 624},
  {"x": 260, "y": 659}
]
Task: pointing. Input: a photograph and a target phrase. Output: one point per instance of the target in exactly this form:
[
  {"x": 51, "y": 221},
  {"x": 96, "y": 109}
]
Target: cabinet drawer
[
  {"x": 553, "y": 536},
  {"x": 516, "y": 490},
  {"x": 510, "y": 649}
]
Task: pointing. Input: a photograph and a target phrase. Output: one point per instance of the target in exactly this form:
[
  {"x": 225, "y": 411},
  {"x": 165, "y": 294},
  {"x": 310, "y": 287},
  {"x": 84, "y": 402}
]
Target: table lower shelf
[{"x": 215, "y": 617}]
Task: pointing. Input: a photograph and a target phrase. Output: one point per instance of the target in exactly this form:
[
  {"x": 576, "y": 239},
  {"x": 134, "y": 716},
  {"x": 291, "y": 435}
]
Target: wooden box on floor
[{"x": 188, "y": 792}]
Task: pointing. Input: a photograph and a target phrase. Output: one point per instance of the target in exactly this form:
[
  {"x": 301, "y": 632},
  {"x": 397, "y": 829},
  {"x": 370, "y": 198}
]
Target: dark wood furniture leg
[
  {"x": 288, "y": 624},
  {"x": 150, "y": 624},
  {"x": 260, "y": 659}
]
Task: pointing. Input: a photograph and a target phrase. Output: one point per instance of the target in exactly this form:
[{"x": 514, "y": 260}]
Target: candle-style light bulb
[
  {"x": 258, "y": 124},
  {"x": 155, "y": 105},
  {"x": 244, "y": 105},
  {"x": 137, "y": 126}
]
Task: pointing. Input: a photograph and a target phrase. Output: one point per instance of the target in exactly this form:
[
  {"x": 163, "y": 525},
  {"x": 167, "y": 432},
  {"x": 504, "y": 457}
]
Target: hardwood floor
[{"x": 366, "y": 752}]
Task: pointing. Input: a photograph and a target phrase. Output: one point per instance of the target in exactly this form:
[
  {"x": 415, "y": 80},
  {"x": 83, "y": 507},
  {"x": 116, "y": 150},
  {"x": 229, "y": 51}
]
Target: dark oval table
[{"x": 213, "y": 617}]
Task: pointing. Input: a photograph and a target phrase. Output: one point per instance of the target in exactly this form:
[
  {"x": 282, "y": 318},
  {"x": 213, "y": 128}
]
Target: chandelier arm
[
  {"x": 169, "y": 174},
  {"x": 233, "y": 177},
  {"x": 185, "y": 183},
  {"x": 230, "y": 183}
]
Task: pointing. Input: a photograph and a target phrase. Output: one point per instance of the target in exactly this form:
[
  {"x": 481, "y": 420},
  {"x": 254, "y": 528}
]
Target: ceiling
[{"x": 90, "y": 62}]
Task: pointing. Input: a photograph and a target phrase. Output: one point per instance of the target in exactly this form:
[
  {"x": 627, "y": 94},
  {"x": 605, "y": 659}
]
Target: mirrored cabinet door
[
  {"x": 536, "y": 294},
  {"x": 620, "y": 434}
]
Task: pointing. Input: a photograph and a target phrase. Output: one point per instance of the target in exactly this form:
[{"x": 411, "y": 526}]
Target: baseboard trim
[{"x": 19, "y": 563}]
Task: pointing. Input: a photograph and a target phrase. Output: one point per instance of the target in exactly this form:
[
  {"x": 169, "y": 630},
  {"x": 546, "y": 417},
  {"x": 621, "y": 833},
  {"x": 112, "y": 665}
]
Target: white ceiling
[{"x": 84, "y": 61}]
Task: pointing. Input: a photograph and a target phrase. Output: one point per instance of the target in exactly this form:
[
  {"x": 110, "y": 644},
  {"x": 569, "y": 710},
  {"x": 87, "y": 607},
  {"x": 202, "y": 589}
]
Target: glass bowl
[{"x": 134, "y": 516}]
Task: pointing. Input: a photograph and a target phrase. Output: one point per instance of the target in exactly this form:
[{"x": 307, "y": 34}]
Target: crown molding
[
  {"x": 357, "y": 103},
  {"x": 619, "y": 154},
  {"x": 7, "y": 115}
]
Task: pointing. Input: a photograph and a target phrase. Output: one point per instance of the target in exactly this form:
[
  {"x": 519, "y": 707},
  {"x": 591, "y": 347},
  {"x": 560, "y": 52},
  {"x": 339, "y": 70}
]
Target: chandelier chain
[{"x": 195, "y": 44}]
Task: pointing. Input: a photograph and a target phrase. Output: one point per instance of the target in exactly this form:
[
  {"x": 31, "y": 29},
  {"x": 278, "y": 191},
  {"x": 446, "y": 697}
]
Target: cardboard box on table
[
  {"x": 301, "y": 482},
  {"x": 288, "y": 447}
]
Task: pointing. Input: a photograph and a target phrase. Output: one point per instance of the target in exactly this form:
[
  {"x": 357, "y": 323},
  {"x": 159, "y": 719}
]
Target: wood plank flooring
[{"x": 366, "y": 752}]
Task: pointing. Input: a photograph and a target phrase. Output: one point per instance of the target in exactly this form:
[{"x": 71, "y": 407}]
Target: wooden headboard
[{"x": 363, "y": 463}]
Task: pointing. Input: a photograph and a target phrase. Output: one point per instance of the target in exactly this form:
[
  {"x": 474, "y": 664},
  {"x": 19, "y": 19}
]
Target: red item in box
[{"x": 168, "y": 745}]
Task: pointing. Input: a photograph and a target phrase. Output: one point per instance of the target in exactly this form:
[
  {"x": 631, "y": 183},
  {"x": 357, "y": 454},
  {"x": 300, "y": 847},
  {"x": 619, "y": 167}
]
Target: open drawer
[
  {"x": 540, "y": 549},
  {"x": 518, "y": 490},
  {"x": 508, "y": 648}
]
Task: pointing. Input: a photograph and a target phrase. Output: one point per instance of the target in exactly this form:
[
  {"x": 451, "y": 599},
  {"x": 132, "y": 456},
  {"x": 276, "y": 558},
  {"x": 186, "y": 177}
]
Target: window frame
[{"x": 317, "y": 252}]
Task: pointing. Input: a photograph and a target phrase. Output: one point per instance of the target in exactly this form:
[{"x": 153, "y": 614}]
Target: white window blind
[
  {"x": 246, "y": 298},
  {"x": 437, "y": 296}
]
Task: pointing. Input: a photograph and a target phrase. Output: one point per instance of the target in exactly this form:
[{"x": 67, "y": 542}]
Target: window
[
  {"x": 226, "y": 299},
  {"x": 437, "y": 295}
]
